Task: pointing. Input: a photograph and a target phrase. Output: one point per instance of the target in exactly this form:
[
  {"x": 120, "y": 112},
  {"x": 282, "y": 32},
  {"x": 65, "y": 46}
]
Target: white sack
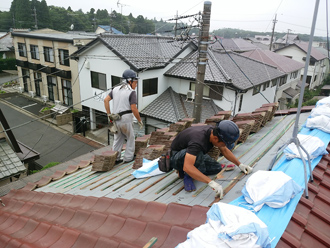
[
  {"x": 320, "y": 122},
  {"x": 228, "y": 226},
  {"x": 325, "y": 100},
  {"x": 321, "y": 110},
  {"x": 273, "y": 188},
  {"x": 313, "y": 145}
]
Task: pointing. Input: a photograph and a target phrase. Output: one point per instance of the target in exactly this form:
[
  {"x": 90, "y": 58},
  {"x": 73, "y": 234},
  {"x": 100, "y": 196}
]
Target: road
[{"x": 52, "y": 144}]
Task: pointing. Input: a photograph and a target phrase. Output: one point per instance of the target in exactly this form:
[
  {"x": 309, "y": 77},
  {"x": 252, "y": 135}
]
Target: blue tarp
[{"x": 278, "y": 219}]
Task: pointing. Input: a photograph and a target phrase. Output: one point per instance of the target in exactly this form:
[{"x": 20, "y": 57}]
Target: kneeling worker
[{"x": 189, "y": 153}]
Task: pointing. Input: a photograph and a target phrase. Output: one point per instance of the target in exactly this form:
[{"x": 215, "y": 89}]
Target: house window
[
  {"x": 64, "y": 57},
  {"x": 49, "y": 54},
  {"x": 282, "y": 81},
  {"x": 115, "y": 81},
  {"x": 274, "y": 81},
  {"x": 150, "y": 86},
  {"x": 256, "y": 89},
  {"x": 22, "y": 49},
  {"x": 34, "y": 52},
  {"x": 265, "y": 86},
  {"x": 26, "y": 76},
  {"x": 211, "y": 91},
  {"x": 206, "y": 90},
  {"x": 294, "y": 74},
  {"x": 240, "y": 103},
  {"x": 67, "y": 92},
  {"x": 37, "y": 82},
  {"x": 98, "y": 80},
  {"x": 51, "y": 84}
]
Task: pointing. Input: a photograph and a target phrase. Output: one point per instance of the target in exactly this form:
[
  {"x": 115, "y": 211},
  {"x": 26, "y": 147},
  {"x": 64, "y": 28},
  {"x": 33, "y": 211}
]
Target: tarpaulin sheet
[{"x": 278, "y": 219}]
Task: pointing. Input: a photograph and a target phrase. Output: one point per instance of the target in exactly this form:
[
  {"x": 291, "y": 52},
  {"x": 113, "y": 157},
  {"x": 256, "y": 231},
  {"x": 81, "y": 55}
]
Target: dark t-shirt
[{"x": 194, "y": 139}]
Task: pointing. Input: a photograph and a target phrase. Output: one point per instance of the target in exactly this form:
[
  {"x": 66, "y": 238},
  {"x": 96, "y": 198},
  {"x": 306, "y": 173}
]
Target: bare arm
[
  {"x": 106, "y": 104},
  {"x": 229, "y": 155},
  {"x": 135, "y": 112},
  {"x": 192, "y": 171}
]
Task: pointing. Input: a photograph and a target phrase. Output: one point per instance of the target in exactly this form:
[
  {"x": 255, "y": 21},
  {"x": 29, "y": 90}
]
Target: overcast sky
[{"x": 255, "y": 15}]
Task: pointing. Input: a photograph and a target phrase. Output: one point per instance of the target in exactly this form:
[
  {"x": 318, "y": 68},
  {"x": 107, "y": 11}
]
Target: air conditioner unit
[
  {"x": 20, "y": 89},
  {"x": 31, "y": 93},
  {"x": 190, "y": 95},
  {"x": 57, "y": 102},
  {"x": 44, "y": 98}
]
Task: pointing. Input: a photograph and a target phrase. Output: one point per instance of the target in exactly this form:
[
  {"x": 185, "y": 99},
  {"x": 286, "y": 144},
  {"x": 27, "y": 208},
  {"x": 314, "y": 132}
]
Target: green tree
[
  {"x": 59, "y": 18},
  {"x": 5, "y": 21},
  {"x": 43, "y": 15},
  {"x": 21, "y": 9}
]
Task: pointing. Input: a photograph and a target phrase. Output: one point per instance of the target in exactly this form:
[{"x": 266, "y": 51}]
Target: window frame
[
  {"x": 67, "y": 92},
  {"x": 34, "y": 49},
  {"x": 114, "y": 81},
  {"x": 96, "y": 84},
  {"x": 21, "y": 49},
  {"x": 256, "y": 89},
  {"x": 49, "y": 54},
  {"x": 149, "y": 87},
  {"x": 63, "y": 55}
]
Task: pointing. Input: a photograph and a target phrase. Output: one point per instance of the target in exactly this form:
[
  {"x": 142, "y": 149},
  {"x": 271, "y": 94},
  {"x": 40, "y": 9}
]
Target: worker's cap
[
  {"x": 228, "y": 132},
  {"x": 130, "y": 74}
]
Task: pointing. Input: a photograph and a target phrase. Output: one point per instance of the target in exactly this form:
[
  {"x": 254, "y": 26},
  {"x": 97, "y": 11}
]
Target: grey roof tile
[
  {"x": 144, "y": 51},
  {"x": 168, "y": 107},
  {"x": 226, "y": 68},
  {"x": 233, "y": 44},
  {"x": 9, "y": 162},
  {"x": 283, "y": 63}
]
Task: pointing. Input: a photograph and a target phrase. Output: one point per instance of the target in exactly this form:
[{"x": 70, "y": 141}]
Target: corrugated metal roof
[{"x": 283, "y": 63}]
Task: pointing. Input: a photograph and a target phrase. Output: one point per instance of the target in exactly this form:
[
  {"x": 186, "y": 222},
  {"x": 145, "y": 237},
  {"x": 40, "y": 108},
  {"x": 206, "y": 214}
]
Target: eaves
[{"x": 42, "y": 37}]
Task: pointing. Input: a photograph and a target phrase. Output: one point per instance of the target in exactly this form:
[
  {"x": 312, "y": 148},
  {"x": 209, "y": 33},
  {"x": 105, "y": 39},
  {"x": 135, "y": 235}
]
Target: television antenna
[{"x": 121, "y": 5}]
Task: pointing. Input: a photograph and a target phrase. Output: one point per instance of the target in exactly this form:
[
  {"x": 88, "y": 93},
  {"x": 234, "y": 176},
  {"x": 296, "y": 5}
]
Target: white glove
[
  {"x": 140, "y": 124},
  {"x": 245, "y": 168},
  {"x": 217, "y": 187}
]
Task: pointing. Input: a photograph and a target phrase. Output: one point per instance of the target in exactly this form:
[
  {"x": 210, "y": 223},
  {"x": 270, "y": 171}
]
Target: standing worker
[
  {"x": 189, "y": 153},
  {"x": 124, "y": 104}
]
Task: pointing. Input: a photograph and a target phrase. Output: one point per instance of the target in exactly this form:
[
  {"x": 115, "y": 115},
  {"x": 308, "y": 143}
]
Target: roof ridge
[{"x": 176, "y": 110}]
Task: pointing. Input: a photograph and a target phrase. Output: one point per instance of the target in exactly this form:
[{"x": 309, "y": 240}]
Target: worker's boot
[{"x": 188, "y": 183}]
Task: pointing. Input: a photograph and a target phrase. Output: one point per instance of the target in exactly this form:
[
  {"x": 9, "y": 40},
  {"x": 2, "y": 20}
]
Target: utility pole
[
  {"x": 176, "y": 23},
  {"x": 201, "y": 62},
  {"x": 271, "y": 40},
  {"x": 287, "y": 36},
  {"x": 35, "y": 17}
]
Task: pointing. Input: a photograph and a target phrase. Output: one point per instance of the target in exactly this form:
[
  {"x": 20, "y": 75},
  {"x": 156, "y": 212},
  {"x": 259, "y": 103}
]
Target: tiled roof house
[
  {"x": 238, "y": 45},
  {"x": 286, "y": 90}
]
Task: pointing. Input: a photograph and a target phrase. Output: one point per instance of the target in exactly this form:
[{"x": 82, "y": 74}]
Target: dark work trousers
[{"x": 204, "y": 163}]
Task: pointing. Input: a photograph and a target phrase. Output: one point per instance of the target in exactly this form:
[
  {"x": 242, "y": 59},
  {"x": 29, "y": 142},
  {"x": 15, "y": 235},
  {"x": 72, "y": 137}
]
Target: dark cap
[{"x": 228, "y": 132}]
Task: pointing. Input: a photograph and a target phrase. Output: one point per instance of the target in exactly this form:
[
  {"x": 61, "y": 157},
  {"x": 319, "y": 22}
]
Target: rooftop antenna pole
[
  {"x": 271, "y": 39},
  {"x": 202, "y": 59},
  {"x": 294, "y": 138}
]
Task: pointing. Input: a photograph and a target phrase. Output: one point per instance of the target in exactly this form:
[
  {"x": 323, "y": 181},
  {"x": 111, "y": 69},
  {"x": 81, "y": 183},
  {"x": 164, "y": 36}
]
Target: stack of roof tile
[
  {"x": 268, "y": 114},
  {"x": 258, "y": 117},
  {"x": 246, "y": 127},
  {"x": 214, "y": 153},
  {"x": 37, "y": 219},
  {"x": 213, "y": 119},
  {"x": 104, "y": 162},
  {"x": 189, "y": 121},
  {"x": 226, "y": 114},
  {"x": 274, "y": 105},
  {"x": 141, "y": 142},
  {"x": 178, "y": 126},
  {"x": 151, "y": 152},
  {"x": 156, "y": 134}
]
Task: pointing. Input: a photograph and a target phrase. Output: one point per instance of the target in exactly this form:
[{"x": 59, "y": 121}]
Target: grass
[{"x": 45, "y": 167}]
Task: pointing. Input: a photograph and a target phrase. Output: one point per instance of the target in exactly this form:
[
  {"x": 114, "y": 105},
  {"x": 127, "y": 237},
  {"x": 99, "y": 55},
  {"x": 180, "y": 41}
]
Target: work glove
[
  {"x": 140, "y": 124},
  {"x": 217, "y": 187},
  {"x": 110, "y": 118},
  {"x": 245, "y": 168}
]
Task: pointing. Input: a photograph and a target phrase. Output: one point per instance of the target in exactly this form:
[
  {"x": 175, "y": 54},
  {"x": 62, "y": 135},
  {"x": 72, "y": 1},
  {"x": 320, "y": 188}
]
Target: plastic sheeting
[
  {"x": 228, "y": 226},
  {"x": 321, "y": 110},
  {"x": 313, "y": 145},
  {"x": 148, "y": 169},
  {"x": 273, "y": 188}
]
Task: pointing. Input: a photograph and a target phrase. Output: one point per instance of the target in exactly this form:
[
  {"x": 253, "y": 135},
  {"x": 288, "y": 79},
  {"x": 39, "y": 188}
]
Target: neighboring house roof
[
  {"x": 107, "y": 29},
  {"x": 10, "y": 164},
  {"x": 287, "y": 39},
  {"x": 224, "y": 68},
  {"x": 304, "y": 47},
  {"x": 281, "y": 62},
  {"x": 291, "y": 92},
  {"x": 233, "y": 44},
  {"x": 172, "y": 107},
  {"x": 56, "y": 36},
  {"x": 140, "y": 51},
  {"x": 6, "y": 43}
]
